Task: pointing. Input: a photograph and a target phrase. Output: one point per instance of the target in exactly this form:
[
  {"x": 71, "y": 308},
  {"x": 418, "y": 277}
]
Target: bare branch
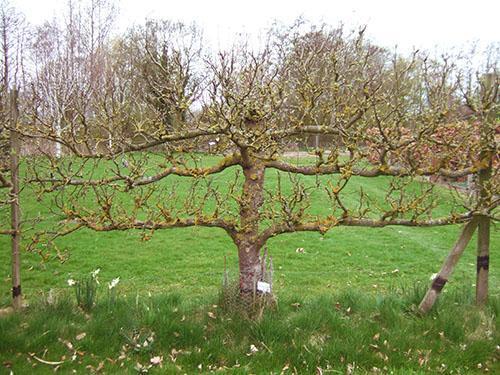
[
  {"x": 324, "y": 225},
  {"x": 382, "y": 170}
]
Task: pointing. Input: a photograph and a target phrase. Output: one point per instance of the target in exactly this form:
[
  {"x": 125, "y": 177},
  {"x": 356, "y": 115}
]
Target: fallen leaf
[
  {"x": 68, "y": 344},
  {"x": 80, "y": 336},
  {"x": 384, "y": 357},
  {"x": 286, "y": 367},
  {"x": 156, "y": 360},
  {"x": 100, "y": 366}
]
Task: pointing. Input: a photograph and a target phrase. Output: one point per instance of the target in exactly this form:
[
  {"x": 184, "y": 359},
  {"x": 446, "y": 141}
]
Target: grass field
[{"x": 346, "y": 288}]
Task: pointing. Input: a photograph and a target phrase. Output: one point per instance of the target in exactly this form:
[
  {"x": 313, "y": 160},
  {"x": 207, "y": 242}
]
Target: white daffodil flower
[
  {"x": 95, "y": 273},
  {"x": 113, "y": 283}
]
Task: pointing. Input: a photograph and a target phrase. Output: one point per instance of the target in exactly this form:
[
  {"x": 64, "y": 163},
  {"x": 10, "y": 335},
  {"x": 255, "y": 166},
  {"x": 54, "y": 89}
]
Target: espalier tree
[{"x": 143, "y": 117}]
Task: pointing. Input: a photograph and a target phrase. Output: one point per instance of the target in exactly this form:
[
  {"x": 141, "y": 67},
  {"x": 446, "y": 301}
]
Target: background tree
[
  {"x": 13, "y": 36},
  {"x": 71, "y": 64},
  {"x": 168, "y": 57}
]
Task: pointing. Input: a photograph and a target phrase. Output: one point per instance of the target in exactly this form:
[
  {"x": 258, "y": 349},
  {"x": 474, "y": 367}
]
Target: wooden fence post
[
  {"x": 448, "y": 266},
  {"x": 15, "y": 148}
]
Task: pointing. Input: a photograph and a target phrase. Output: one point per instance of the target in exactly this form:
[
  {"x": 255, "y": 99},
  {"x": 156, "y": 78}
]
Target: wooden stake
[
  {"x": 487, "y": 140},
  {"x": 448, "y": 266},
  {"x": 15, "y": 148},
  {"x": 483, "y": 257}
]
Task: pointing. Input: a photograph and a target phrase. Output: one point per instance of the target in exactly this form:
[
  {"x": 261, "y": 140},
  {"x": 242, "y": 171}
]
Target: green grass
[
  {"x": 372, "y": 333},
  {"x": 381, "y": 271}
]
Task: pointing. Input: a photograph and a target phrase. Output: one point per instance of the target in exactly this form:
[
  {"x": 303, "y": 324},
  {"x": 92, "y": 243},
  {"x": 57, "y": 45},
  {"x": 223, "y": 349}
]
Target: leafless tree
[{"x": 70, "y": 67}]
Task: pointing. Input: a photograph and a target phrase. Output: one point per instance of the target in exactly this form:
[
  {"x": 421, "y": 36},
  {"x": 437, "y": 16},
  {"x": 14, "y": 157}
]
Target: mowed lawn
[
  {"x": 190, "y": 261},
  {"x": 378, "y": 272}
]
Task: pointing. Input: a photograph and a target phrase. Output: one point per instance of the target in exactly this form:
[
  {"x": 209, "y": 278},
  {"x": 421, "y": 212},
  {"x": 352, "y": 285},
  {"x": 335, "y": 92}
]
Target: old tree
[{"x": 143, "y": 111}]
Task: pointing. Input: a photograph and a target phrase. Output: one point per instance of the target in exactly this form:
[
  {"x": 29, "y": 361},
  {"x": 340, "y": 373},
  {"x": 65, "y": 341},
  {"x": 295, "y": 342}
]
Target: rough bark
[
  {"x": 247, "y": 239},
  {"x": 448, "y": 266}
]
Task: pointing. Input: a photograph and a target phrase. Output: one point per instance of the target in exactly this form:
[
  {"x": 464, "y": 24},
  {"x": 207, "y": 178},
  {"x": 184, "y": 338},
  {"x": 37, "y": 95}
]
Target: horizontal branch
[
  {"x": 176, "y": 137},
  {"x": 310, "y": 129},
  {"x": 229, "y": 227},
  {"x": 319, "y": 129},
  {"x": 127, "y": 147},
  {"x": 184, "y": 172},
  {"x": 326, "y": 224},
  {"x": 382, "y": 170},
  {"x": 191, "y": 172}
]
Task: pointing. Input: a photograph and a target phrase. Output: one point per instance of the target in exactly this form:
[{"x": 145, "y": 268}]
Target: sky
[{"x": 423, "y": 24}]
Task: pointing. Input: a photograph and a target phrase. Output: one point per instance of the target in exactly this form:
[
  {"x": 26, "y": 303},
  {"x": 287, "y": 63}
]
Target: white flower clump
[
  {"x": 71, "y": 282},
  {"x": 95, "y": 273},
  {"x": 113, "y": 283}
]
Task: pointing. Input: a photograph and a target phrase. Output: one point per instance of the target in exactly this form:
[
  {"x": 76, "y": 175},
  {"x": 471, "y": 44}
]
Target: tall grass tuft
[{"x": 86, "y": 290}]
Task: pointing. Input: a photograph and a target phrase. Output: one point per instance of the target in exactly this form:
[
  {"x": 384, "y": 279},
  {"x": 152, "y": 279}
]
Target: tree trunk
[
  {"x": 15, "y": 147},
  {"x": 250, "y": 268},
  {"x": 247, "y": 239},
  {"x": 58, "y": 148},
  {"x": 449, "y": 264}
]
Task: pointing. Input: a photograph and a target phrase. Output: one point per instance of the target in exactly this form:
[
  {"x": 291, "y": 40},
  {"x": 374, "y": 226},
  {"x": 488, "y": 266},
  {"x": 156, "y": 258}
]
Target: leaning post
[{"x": 448, "y": 266}]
